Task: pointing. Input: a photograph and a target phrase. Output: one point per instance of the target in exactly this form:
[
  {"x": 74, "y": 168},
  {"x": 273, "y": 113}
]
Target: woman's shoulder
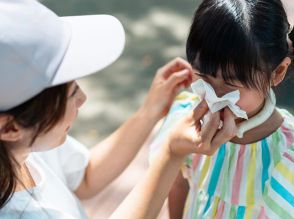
[{"x": 68, "y": 161}]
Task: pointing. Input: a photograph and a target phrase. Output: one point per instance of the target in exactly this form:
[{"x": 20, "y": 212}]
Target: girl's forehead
[{"x": 218, "y": 74}]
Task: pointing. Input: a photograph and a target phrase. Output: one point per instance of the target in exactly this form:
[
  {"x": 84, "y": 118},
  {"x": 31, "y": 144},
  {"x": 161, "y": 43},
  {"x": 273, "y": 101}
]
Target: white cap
[{"x": 38, "y": 49}]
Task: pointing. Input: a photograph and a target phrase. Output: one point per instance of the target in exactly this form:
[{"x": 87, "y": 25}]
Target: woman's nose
[{"x": 81, "y": 98}]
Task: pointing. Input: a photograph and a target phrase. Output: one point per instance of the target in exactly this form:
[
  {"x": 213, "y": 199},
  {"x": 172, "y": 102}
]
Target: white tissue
[{"x": 215, "y": 103}]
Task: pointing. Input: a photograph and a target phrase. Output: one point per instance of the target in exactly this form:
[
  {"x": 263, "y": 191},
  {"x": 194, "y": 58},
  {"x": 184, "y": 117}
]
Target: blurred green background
[{"x": 156, "y": 32}]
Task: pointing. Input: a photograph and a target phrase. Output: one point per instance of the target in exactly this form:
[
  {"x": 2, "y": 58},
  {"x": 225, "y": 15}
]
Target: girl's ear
[
  {"x": 9, "y": 131},
  {"x": 280, "y": 72}
]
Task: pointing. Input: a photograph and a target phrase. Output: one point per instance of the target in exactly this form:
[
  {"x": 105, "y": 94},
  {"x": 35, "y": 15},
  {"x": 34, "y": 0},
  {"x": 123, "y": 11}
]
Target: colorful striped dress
[{"x": 238, "y": 181}]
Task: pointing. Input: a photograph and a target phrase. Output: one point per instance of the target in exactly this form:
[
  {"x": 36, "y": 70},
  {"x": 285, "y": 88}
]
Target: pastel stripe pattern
[
  {"x": 265, "y": 162},
  {"x": 238, "y": 175},
  {"x": 253, "y": 181}
]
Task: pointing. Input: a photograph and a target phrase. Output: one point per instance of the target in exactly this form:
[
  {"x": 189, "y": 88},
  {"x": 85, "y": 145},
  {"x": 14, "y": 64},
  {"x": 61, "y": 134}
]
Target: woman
[{"x": 41, "y": 56}]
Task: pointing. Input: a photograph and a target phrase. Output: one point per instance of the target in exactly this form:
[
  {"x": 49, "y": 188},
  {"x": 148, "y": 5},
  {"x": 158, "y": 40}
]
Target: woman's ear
[
  {"x": 9, "y": 130},
  {"x": 280, "y": 72}
]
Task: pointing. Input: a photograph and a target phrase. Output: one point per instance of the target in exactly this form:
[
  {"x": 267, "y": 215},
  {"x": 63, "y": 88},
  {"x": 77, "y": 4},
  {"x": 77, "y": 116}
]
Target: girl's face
[
  {"x": 251, "y": 100},
  {"x": 57, "y": 135}
]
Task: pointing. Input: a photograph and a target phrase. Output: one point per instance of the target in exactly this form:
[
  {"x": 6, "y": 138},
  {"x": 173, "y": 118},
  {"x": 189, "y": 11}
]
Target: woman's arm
[
  {"x": 110, "y": 157},
  {"x": 146, "y": 199},
  {"x": 177, "y": 197}
]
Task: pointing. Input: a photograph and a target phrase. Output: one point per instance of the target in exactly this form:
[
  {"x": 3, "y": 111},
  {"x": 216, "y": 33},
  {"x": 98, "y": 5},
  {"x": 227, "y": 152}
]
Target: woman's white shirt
[{"x": 57, "y": 173}]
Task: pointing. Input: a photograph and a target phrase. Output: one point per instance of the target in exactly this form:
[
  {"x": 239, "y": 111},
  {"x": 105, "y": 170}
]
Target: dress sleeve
[
  {"x": 182, "y": 105},
  {"x": 279, "y": 188}
]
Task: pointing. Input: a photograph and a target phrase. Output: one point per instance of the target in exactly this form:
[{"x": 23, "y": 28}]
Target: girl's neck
[{"x": 261, "y": 131}]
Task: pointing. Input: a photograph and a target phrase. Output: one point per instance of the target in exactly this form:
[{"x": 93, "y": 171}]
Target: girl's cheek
[
  {"x": 250, "y": 103},
  {"x": 247, "y": 106}
]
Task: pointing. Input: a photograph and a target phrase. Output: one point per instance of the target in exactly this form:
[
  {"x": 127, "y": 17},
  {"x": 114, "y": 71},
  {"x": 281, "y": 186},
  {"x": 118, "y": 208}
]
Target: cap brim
[{"x": 96, "y": 41}]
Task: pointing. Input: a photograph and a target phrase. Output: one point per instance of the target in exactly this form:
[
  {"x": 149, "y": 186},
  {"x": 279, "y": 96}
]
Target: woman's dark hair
[
  {"x": 245, "y": 39},
  {"x": 41, "y": 113}
]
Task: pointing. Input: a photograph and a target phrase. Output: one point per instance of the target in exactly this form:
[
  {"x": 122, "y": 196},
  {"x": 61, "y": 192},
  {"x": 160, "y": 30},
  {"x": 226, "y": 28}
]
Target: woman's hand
[
  {"x": 169, "y": 79},
  {"x": 190, "y": 136}
]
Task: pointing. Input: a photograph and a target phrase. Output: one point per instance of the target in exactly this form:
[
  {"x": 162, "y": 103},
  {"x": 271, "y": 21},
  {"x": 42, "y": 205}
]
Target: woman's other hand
[{"x": 169, "y": 80}]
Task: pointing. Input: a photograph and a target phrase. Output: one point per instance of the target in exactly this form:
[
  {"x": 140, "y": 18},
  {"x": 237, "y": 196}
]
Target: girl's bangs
[{"x": 218, "y": 43}]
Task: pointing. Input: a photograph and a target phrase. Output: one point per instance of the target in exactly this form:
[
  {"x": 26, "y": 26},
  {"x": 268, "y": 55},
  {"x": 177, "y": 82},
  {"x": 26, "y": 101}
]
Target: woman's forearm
[
  {"x": 177, "y": 197},
  {"x": 147, "y": 198},
  {"x": 110, "y": 157},
  {"x": 187, "y": 137}
]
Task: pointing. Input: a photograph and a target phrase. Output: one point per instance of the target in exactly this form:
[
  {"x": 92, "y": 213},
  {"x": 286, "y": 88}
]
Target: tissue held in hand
[{"x": 215, "y": 103}]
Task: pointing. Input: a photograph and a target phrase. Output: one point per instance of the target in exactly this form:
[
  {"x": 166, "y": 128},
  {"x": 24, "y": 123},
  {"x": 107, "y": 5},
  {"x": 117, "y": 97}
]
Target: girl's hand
[
  {"x": 169, "y": 79},
  {"x": 189, "y": 136}
]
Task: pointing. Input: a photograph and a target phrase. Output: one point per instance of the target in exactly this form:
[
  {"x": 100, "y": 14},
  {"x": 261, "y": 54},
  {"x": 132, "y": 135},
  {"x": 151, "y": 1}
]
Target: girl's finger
[
  {"x": 200, "y": 111},
  {"x": 210, "y": 127},
  {"x": 227, "y": 132}
]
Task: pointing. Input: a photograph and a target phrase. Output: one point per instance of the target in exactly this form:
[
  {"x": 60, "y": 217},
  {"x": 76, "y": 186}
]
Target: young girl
[{"x": 238, "y": 45}]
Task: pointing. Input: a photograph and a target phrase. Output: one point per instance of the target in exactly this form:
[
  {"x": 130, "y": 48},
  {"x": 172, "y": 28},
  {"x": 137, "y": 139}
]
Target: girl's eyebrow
[
  {"x": 233, "y": 85},
  {"x": 226, "y": 82}
]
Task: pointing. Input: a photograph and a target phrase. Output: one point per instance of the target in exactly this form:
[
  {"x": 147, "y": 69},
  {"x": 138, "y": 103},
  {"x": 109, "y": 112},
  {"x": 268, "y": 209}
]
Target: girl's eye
[
  {"x": 233, "y": 85},
  {"x": 200, "y": 75}
]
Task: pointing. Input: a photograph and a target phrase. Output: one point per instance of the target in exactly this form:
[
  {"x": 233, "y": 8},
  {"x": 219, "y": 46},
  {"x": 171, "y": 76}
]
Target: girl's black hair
[{"x": 245, "y": 39}]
